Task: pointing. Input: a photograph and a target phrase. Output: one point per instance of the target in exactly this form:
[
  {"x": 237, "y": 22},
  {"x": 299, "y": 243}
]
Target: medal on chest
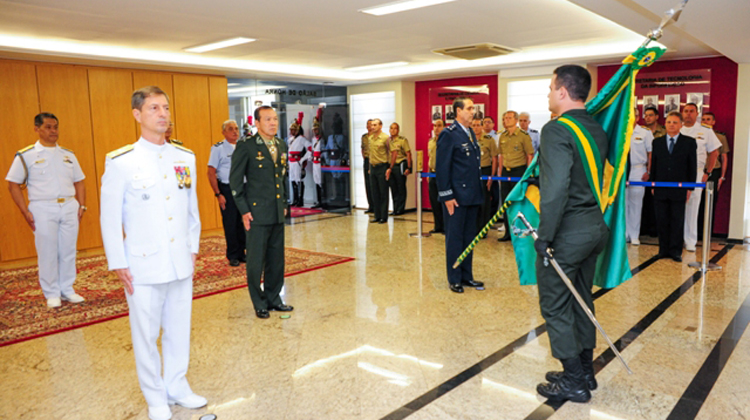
[{"x": 183, "y": 176}]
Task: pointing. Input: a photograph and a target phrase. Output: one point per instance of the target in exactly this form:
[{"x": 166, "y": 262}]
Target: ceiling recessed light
[
  {"x": 378, "y": 66},
  {"x": 401, "y": 6},
  {"x": 220, "y": 44}
]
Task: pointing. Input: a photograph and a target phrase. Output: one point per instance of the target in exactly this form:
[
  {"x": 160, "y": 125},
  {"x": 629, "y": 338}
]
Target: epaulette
[
  {"x": 451, "y": 127},
  {"x": 183, "y": 148},
  {"x": 531, "y": 130},
  {"x": 25, "y": 149},
  {"x": 504, "y": 131},
  {"x": 524, "y": 131},
  {"x": 707, "y": 126},
  {"x": 67, "y": 150},
  {"x": 219, "y": 143},
  {"x": 644, "y": 127},
  {"x": 119, "y": 152}
]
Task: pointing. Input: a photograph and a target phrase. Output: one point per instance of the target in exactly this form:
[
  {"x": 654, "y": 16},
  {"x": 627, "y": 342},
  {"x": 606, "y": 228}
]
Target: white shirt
[
  {"x": 52, "y": 172},
  {"x": 534, "y": 134},
  {"x": 140, "y": 195},
  {"x": 641, "y": 143},
  {"x": 706, "y": 140},
  {"x": 221, "y": 160}
]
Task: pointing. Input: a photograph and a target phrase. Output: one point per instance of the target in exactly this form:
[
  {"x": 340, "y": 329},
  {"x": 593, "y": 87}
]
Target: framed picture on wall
[
  {"x": 437, "y": 112},
  {"x": 449, "y": 114},
  {"x": 696, "y": 98},
  {"x": 671, "y": 103},
  {"x": 650, "y": 101},
  {"x": 479, "y": 111}
]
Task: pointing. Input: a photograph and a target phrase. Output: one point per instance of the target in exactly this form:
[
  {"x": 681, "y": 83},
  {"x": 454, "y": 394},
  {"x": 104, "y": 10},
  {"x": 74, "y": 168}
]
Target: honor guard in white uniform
[
  {"x": 640, "y": 159},
  {"x": 708, "y": 151},
  {"x": 56, "y": 204},
  {"x": 149, "y": 194},
  {"x": 316, "y": 148},
  {"x": 298, "y": 147},
  {"x": 219, "y": 163}
]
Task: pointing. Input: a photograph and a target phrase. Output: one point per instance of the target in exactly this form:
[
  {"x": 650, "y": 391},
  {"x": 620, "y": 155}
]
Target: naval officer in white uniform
[
  {"x": 57, "y": 199},
  {"x": 641, "y": 143},
  {"x": 149, "y": 192}
]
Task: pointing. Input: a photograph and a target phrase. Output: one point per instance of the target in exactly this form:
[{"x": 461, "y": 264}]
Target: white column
[{"x": 739, "y": 215}]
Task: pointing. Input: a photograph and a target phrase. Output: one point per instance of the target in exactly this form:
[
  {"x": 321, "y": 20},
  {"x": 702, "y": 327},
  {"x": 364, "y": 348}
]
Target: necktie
[{"x": 671, "y": 145}]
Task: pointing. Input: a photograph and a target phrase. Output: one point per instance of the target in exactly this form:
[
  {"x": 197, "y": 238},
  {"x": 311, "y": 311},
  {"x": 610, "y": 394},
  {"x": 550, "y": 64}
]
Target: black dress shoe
[
  {"x": 374, "y": 220},
  {"x": 457, "y": 288},
  {"x": 281, "y": 308},
  {"x": 262, "y": 313},
  {"x": 472, "y": 283},
  {"x": 432, "y": 232},
  {"x": 661, "y": 256},
  {"x": 505, "y": 238},
  {"x": 677, "y": 259},
  {"x": 368, "y": 211},
  {"x": 243, "y": 260},
  {"x": 590, "y": 379},
  {"x": 571, "y": 385},
  {"x": 382, "y": 221},
  {"x": 234, "y": 263}
]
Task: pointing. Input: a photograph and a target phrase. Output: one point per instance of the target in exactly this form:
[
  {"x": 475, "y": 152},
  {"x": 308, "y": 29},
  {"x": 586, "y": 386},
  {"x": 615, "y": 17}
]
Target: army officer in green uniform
[
  {"x": 570, "y": 223},
  {"x": 258, "y": 180}
]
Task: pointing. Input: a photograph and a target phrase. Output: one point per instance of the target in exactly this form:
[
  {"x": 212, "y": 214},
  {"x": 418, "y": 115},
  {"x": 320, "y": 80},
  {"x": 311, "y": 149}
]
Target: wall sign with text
[{"x": 670, "y": 91}]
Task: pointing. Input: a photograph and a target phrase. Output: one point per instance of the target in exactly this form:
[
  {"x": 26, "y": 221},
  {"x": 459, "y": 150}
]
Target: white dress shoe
[
  {"x": 190, "y": 401},
  {"x": 54, "y": 303},
  {"x": 74, "y": 298},
  {"x": 160, "y": 413},
  {"x": 690, "y": 248},
  {"x": 635, "y": 242}
]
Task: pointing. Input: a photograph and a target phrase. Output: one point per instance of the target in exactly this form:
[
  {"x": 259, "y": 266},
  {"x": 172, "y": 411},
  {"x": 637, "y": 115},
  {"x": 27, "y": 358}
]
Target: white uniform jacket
[{"x": 141, "y": 196}]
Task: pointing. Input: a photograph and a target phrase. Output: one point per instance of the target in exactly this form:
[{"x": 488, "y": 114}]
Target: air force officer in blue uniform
[
  {"x": 460, "y": 190},
  {"x": 149, "y": 193}
]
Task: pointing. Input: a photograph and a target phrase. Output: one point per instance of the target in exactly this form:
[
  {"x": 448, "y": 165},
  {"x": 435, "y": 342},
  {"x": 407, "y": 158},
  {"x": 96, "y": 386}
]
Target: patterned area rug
[
  {"x": 24, "y": 314},
  {"x": 304, "y": 211}
]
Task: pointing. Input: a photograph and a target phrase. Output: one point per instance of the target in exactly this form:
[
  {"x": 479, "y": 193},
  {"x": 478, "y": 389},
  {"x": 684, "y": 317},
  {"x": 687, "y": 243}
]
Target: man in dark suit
[
  {"x": 460, "y": 189},
  {"x": 673, "y": 159},
  {"x": 571, "y": 223},
  {"x": 258, "y": 179}
]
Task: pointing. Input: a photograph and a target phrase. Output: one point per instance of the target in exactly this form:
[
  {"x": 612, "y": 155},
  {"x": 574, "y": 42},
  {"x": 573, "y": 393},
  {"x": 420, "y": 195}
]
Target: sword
[
  {"x": 531, "y": 231},
  {"x": 670, "y": 16}
]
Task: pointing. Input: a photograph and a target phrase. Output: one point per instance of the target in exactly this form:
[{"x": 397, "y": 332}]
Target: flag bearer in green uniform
[{"x": 258, "y": 179}]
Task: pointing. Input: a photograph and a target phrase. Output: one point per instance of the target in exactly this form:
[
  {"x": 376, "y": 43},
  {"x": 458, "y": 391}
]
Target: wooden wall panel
[
  {"x": 163, "y": 81},
  {"x": 112, "y": 120},
  {"x": 19, "y": 105},
  {"x": 217, "y": 90},
  {"x": 64, "y": 91},
  {"x": 193, "y": 117}
]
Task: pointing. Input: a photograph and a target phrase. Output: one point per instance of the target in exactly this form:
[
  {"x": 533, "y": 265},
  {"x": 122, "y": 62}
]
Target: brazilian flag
[{"x": 612, "y": 107}]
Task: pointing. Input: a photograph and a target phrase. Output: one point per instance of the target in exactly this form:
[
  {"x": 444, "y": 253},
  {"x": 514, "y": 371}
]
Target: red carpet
[
  {"x": 24, "y": 314},
  {"x": 304, "y": 211}
]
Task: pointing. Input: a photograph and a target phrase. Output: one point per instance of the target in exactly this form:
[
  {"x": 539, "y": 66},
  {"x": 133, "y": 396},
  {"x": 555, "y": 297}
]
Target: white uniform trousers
[
  {"x": 317, "y": 174},
  {"x": 295, "y": 172},
  {"x": 634, "y": 203},
  {"x": 164, "y": 306},
  {"x": 691, "y": 216},
  {"x": 55, "y": 238}
]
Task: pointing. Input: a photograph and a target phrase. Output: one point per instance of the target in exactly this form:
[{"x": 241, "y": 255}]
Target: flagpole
[{"x": 670, "y": 16}]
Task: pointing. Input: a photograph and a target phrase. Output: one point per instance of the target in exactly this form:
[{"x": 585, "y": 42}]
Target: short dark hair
[
  {"x": 460, "y": 102},
  {"x": 711, "y": 114},
  {"x": 652, "y": 109},
  {"x": 399, "y": 127},
  {"x": 576, "y": 79},
  {"x": 438, "y": 119},
  {"x": 691, "y": 104},
  {"x": 39, "y": 118},
  {"x": 256, "y": 114},
  {"x": 675, "y": 114},
  {"x": 140, "y": 95},
  {"x": 486, "y": 117}
]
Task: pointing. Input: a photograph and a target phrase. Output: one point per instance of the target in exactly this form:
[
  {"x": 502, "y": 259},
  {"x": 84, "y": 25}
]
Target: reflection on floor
[{"x": 382, "y": 336}]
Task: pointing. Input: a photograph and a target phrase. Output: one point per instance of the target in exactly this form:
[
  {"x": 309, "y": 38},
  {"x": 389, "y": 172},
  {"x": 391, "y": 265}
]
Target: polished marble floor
[{"x": 383, "y": 337}]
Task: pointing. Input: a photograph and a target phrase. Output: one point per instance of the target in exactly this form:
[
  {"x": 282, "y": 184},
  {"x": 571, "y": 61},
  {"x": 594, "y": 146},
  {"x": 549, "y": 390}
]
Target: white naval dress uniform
[
  {"x": 52, "y": 171},
  {"x": 707, "y": 142},
  {"x": 640, "y": 147},
  {"x": 140, "y": 196},
  {"x": 316, "y": 155}
]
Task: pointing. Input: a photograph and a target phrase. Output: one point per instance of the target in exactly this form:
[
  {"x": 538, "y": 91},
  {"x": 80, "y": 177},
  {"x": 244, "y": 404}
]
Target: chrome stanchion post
[
  {"x": 708, "y": 218},
  {"x": 419, "y": 233}
]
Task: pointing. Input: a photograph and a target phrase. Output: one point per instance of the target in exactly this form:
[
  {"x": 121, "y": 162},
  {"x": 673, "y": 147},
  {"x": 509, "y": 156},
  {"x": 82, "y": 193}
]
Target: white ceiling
[{"x": 308, "y": 40}]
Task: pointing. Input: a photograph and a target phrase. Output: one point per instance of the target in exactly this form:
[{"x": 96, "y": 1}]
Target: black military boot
[
  {"x": 587, "y": 361},
  {"x": 319, "y": 191},
  {"x": 301, "y": 194},
  {"x": 295, "y": 194},
  {"x": 570, "y": 387}
]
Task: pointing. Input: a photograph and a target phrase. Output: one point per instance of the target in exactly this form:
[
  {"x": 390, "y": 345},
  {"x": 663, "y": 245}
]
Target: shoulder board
[
  {"x": 707, "y": 126},
  {"x": 451, "y": 127},
  {"x": 523, "y": 131},
  {"x": 67, "y": 150},
  {"x": 184, "y": 149},
  {"x": 119, "y": 152},
  {"x": 25, "y": 149},
  {"x": 218, "y": 144},
  {"x": 644, "y": 127},
  {"x": 531, "y": 130},
  {"x": 504, "y": 131}
]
